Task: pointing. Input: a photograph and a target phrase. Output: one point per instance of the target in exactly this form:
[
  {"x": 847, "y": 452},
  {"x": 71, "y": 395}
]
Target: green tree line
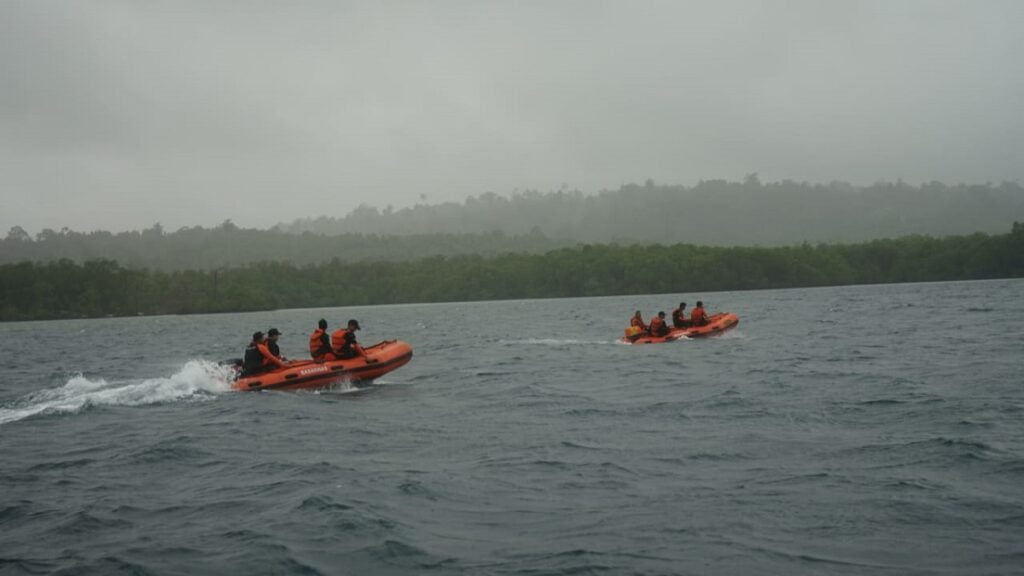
[
  {"x": 714, "y": 212},
  {"x": 62, "y": 289},
  {"x": 227, "y": 245}
]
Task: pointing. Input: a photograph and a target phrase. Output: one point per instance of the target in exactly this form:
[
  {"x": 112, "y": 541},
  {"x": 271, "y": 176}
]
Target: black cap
[
  {"x": 257, "y": 336},
  {"x": 273, "y": 332},
  {"x": 322, "y": 324},
  {"x": 354, "y": 323}
]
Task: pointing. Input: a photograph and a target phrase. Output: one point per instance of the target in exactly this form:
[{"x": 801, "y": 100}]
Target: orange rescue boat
[
  {"x": 717, "y": 323},
  {"x": 380, "y": 359}
]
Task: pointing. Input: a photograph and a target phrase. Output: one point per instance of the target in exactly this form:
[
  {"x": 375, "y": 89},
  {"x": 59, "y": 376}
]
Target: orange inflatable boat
[
  {"x": 303, "y": 374},
  {"x": 717, "y": 324}
]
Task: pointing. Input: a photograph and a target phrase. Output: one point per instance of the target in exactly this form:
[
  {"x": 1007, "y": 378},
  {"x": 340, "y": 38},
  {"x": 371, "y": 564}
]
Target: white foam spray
[{"x": 198, "y": 379}]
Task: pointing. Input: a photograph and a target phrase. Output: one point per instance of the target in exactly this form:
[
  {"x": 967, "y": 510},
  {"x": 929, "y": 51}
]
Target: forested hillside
[
  {"x": 714, "y": 212},
  {"x": 228, "y": 246},
  {"x": 64, "y": 289}
]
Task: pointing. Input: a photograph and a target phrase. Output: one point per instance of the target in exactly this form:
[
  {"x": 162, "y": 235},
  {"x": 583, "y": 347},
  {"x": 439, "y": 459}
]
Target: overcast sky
[{"x": 118, "y": 115}]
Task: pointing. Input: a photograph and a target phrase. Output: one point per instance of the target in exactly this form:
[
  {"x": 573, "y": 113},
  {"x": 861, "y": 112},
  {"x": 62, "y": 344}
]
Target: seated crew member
[
  {"x": 344, "y": 344},
  {"x": 679, "y": 316},
  {"x": 658, "y": 326},
  {"x": 638, "y": 321},
  {"x": 698, "y": 317},
  {"x": 320, "y": 343},
  {"x": 258, "y": 358},
  {"x": 272, "y": 346}
]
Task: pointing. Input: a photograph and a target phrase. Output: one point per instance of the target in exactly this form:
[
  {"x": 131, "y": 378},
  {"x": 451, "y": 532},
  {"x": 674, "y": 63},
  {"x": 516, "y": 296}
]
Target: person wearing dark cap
[
  {"x": 343, "y": 341},
  {"x": 320, "y": 343},
  {"x": 272, "y": 346},
  {"x": 679, "y": 316},
  {"x": 257, "y": 357}
]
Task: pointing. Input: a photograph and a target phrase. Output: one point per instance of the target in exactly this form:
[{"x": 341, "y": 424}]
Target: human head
[
  {"x": 257, "y": 336},
  {"x": 273, "y": 333},
  {"x": 700, "y": 303},
  {"x": 682, "y": 305},
  {"x": 661, "y": 314},
  {"x": 322, "y": 324},
  {"x": 353, "y": 325}
]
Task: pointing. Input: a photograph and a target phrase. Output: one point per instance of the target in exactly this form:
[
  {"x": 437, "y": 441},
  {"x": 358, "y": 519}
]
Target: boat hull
[
  {"x": 718, "y": 323},
  {"x": 380, "y": 359}
]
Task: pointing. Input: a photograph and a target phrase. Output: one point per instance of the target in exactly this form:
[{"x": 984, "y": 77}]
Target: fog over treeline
[{"x": 713, "y": 213}]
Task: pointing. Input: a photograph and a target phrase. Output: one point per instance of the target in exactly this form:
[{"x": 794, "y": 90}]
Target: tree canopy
[
  {"x": 712, "y": 213},
  {"x": 64, "y": 289}
]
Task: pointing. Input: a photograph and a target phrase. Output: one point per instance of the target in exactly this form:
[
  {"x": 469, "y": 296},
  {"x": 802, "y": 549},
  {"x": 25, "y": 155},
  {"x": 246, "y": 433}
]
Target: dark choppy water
[{"x": 855, "y": 430}]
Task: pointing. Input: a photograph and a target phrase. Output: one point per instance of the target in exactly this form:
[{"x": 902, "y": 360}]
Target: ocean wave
[
  {"x": 179, "y": 449},
  {"x": 198, "y": 379},
  {"x": 83, "y": 522}
]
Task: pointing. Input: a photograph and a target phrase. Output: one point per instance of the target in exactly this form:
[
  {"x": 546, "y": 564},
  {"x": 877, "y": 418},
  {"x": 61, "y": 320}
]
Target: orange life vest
[
  {"x": 657, "y": 327},
  {"x": 268, "y": 358},
  {"x": 317, "y": 348},
  {"x": 698, "y": 317},
  {"x": 340, "y": 340}
]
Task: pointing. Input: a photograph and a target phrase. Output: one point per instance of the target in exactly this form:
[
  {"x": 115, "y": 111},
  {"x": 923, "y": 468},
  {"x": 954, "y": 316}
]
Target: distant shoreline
[{"x": 63, "y": 289}]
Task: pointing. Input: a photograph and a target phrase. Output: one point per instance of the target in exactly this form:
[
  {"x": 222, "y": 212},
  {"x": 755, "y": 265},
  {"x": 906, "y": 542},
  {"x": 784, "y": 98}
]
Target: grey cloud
[{"x": 116, "y": 115}]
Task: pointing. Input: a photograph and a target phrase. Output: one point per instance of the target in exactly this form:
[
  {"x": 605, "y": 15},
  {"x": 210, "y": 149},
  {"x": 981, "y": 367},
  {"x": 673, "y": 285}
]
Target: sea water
[{"x": 849, "y": 430}]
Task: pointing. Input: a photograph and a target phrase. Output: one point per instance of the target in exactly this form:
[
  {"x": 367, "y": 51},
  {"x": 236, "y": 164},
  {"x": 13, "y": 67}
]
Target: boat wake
[
  {"x": 557, "y": 342},
  {"x": 198, "y": 379}
]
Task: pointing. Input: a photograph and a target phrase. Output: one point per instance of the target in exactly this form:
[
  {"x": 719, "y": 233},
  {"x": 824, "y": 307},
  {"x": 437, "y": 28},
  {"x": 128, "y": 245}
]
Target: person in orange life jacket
[
  {"x": 343, "y": 341},
  {"x": 320, "y": 343},
  {"x": 272, "y": 346},
  {"x": 638, "y": 321},
  {"x": 698, "y": 317},
  {"x": 658, "y": 326},
  {"x": 257, "y": 357},
  {"x": 679, "y": 316}
]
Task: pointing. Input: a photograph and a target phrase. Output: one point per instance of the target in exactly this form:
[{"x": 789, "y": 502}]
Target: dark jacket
[{"x": 252, "y": 362}]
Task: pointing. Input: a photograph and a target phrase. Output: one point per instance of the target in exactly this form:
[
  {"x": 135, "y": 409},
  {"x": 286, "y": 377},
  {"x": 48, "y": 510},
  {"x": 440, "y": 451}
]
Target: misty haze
[{"x": 512, "y": 288}]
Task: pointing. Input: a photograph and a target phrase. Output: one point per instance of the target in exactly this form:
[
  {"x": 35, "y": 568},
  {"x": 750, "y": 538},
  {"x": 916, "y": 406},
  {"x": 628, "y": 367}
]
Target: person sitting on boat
[
  {"x": 679, "y": 316},
  {"x": 658, "y": 326},
  {"x": 698, "y": 317},
  {"x": 272, "y": 346},
  {"x": 320, "y": 343},
  {"x": 344, "y": 344},
  {"x": 638, "y": 321},
  {"x": 257, "y": 357}
]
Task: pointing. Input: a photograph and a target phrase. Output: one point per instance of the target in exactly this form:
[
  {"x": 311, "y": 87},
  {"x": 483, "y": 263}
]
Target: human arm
[{"x": 268, "y": 357}]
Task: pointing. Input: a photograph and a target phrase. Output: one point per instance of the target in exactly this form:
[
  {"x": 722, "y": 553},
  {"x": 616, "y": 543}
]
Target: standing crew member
[
  {"x": 320, "y": 343},
  {"x": 679, "y": 316},
  {"x": 344, "y": 344},
  {"x": 698, "y": 317}
]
